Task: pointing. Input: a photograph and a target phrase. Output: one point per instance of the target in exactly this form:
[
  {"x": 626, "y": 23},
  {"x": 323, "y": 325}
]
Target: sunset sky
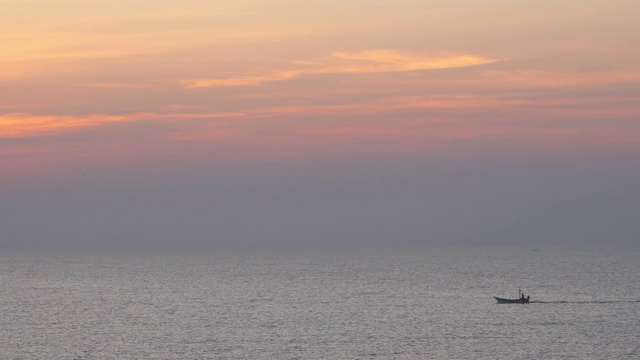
[{"x": 273, "y": 121}]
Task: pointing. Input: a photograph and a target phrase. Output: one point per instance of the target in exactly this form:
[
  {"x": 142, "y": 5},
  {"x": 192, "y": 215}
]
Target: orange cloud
[
  {"x": 374, "y": 61},
  {"x": 108, "y": 85},
  {"x": 245, "y": 80},
  {"x": 23, "y": 125},
  {"x": 392, "y": 61},
  {"x": 26, "y": 125}
]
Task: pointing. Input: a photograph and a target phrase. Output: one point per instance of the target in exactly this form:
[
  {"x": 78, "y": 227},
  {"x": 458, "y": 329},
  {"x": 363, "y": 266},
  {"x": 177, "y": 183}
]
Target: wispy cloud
[
  {"x": 30, "y": 125},
  {"x": 374, "y": 61},
  {"x": 112, "y": 85},
  {"x": 392, "y": 61},
  {"x": 243, "y": 80},
  {"x": 25, "y": 125}
]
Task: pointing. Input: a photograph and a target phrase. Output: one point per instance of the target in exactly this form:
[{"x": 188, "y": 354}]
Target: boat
[
  {"x": 512, "y": 301},
  {"x": 519, "y": 300}
]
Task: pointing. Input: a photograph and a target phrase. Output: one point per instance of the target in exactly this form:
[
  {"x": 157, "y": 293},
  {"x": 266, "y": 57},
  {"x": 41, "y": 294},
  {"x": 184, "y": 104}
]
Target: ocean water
[{"x": 420, "y": 303}]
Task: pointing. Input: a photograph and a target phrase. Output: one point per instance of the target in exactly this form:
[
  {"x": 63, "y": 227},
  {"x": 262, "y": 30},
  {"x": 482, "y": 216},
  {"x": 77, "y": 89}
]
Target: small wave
[
  {"x": 547, "y": 302},
  {"x": 585, "y": 302}
]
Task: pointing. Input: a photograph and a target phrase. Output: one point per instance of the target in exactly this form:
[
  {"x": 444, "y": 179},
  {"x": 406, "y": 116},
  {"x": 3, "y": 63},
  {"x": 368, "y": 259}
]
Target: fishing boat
[
  {"x": 511, "y": 301},
  {"x": 520, "y": 300}
]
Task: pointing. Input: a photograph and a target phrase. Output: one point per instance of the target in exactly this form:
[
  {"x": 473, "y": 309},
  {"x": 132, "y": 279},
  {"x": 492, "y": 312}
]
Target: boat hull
[{"x": 511, "y": 301}]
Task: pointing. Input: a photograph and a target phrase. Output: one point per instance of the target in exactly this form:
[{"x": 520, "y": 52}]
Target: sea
[{"x": 337, "y": 303}]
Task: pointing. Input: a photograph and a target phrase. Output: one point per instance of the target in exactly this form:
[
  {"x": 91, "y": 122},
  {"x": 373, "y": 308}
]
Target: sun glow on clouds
[
  {"x": 391, "y": 61},
  {"x": 28, "y": 125},
  {"x": 243, "y": 80},
  {"x": 24, "y": 125},
  {"x": 374, "y": 61},
  {"x": 275, "y": 78}
]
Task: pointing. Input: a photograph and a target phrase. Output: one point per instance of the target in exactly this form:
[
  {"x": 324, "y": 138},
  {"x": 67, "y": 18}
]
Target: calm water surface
[{"x": 350, "y": 304}]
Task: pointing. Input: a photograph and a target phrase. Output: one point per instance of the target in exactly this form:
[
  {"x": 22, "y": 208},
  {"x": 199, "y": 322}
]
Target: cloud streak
[
  {"x": 373, "y": 61},
  {"x": 31, "y": 125}
]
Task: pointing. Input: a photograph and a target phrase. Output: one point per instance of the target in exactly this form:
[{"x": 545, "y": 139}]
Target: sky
[{"x": 255, "y": 122}]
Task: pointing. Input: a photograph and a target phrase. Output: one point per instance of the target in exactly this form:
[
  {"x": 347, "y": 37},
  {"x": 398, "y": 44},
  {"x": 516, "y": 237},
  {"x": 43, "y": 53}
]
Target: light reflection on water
[{"x": 348, "y": 304}]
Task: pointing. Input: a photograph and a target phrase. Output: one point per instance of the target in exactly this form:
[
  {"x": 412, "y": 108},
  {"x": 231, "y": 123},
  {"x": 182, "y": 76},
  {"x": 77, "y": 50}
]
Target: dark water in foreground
[{"x": 396, "y": 304}]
